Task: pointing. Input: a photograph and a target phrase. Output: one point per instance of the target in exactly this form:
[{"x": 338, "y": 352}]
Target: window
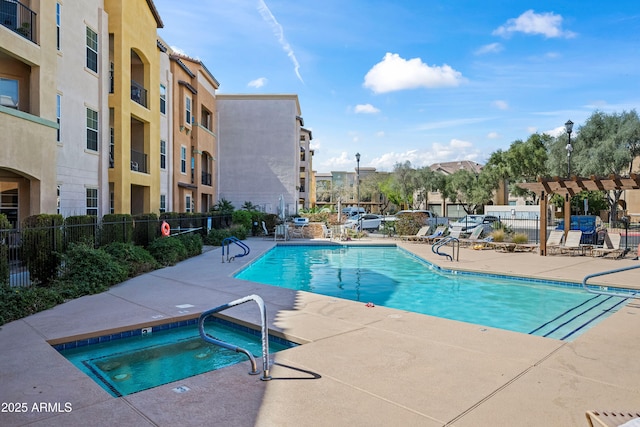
[
  {"x": 187, "y": 205},
  {"x": 58, "y": 7},
  {"x": 58, "y": 199},
  {"x": 205, "y": 119},
  {"x": 92, "y": 50},
  {"x": 187, "y": 110},
  {"x": 163, "y": 154},
  {"x": 92, "y": 130},
  {"x": 183, "y": 159},
  {"x": 163, "y": 99},
  {"x": 163, "y": 203},
  {"x": 112, "y": 202},
  {"x": 58, "y": 113},
  {"x": 9, "y": 93},
  {"x": 92, "y": 201}
]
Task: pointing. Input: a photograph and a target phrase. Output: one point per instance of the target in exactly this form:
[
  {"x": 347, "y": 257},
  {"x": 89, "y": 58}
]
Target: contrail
[{"x": 279, "y": 33}]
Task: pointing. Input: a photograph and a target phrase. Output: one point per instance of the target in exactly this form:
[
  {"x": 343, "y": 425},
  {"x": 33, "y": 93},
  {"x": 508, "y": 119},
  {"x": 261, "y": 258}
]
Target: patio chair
[
  {"x": 421, "y": 233},
  {"x": 554, "y": 241},
  {"x": 265, "y": 231},
  {"x": 613, "y": 418},
  {"x": 474, "y": 237},
  {"x": 611, "y": 246},
  {"x": 572, "y": 243},
  {"x": 437, "y": 234},
  {"x": 327, "y": 233}
]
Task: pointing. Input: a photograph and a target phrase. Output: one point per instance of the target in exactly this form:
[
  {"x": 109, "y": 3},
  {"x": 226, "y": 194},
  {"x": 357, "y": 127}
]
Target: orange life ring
[{"x": 165, "y": 229}]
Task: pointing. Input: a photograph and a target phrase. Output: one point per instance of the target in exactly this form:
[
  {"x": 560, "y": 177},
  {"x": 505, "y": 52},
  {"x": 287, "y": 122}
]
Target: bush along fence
[{"x": 37, "y": 253}]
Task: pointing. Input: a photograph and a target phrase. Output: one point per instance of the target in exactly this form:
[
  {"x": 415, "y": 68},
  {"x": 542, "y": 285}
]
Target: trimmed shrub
[
  {"x": 167, "y": 250},
  {"x": 88, "y": 271},
  {"x": 192, "y": 243},
  {"x": 409, "y": 223},
  {"x": 215, "y": 237},
  {"x": 498, "y": 235},
  {"x": 16, "y": 303},
  {"x": 77, "y": 229},
  {"x": 242, "y": 218},
  {"x": 134, "y": 258},
  {"x": 116, "y": 228},
  {"x": 42, "y": 246},
  {"x": 146, "y": 228},
  {"x": 520, "y": 238}
]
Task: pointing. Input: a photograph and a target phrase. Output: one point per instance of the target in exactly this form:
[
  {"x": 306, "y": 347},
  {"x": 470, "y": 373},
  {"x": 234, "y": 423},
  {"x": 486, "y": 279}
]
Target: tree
[
  {"x": 404, "y": 183},
  {"x": 606, "y": 144},
  {"x": 466, "y": 188}
]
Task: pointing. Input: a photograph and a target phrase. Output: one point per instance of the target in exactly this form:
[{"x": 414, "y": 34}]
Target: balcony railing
[
  {"x": 138, "y": 161},
  {"x": 18, "y": 18},
  {"x": 138, "y": 93},
  {"x": 206, "y": 178}
]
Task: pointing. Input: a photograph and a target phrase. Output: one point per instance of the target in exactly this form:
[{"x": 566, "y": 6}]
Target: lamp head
[
  {"x": 358, "y": 157},
  {"x": 568, "y": 126}
]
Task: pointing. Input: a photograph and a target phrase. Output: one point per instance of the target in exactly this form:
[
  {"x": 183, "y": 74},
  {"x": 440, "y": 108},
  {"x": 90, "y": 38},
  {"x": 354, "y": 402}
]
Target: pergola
[{"x": 569, "y": 187}]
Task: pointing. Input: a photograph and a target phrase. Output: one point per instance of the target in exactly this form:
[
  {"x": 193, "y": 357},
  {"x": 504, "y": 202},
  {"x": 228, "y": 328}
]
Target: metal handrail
[
  {"x": 455, "y": 243},
  {"x": 265, "y": 337},
  {"x": 234, "y": 239},
  {"x": 614, "y": 294}
]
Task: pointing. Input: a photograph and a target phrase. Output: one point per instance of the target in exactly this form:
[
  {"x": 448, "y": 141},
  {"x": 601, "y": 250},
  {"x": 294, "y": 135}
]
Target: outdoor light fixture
[
  {"x": 358, "y": 189},
  {"x": 569, "y": 127}
]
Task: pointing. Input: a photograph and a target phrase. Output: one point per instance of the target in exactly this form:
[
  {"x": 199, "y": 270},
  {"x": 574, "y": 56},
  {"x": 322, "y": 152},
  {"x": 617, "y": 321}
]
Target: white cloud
[
  {"x": 395, "y": 73},
  {"x": 365, "y": 109},
  {"x": 547, "y": 24},
  {"x": 493, "y": 135},
  {"x": 489, "y": 48},
  {"x": 531, "y": 130},
  {"x": 500, "y": 104},
  {"x": 258, "y": 83},
  {"x": 455, "y": 149},
  {"x": 278, "y": 31}
]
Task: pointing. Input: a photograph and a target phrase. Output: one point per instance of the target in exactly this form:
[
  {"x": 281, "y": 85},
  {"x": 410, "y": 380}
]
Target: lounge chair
[
  {"x": 421, "y": 233},
  {"x": 611, "y": 246},
  {"x": 613, "y": 418},
  {"x": 554, "y": 241},
  {"x": 438, "y": 233},
  {"x": 265, "y": 231},
  {"x": 572, "y": 243},
  {"x": 474, "y": 237}
]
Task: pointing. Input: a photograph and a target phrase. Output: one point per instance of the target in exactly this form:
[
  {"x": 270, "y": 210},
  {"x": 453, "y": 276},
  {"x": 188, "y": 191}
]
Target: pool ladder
[
  {"x": 455, "y": 247},
  {"x": 607, "y": 292},
  {"x": 233, "y": 239},
  {"x": 265, "y": 335}
]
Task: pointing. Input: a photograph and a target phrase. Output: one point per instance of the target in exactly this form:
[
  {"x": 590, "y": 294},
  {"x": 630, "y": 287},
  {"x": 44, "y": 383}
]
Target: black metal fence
[{"x": 32, "y": 255}]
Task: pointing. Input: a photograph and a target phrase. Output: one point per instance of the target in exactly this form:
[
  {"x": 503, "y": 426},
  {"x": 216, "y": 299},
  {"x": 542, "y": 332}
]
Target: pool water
[
  {"x": 128, "y": 365},
  {"x": 392, "y": 277}
]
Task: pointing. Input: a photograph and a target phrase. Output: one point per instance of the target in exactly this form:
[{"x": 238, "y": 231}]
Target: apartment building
[
  {"x": 81, "y": 107},
  {"x": 134, "y": 106},
  {"x": 259, "y": 140},
  {"x": 307, "y": 185},
  {"x": 28, "y": 110},
  {"x": 195, "y": 141}
]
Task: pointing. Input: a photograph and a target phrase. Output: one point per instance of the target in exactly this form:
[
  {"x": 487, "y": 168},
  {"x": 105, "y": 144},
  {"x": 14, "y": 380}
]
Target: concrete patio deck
[{"x": 358, "y": 365}]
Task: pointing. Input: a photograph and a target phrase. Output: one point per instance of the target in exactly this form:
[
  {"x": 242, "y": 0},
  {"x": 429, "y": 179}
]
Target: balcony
[
  {"x": 138, "y": 93},
  {"x": 138, "y": 162},
  {"x": 206, "y": 178},
  {"x": 18, "y": 18}
]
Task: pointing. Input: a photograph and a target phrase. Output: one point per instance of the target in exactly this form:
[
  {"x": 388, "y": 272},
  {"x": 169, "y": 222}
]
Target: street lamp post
[
  {"x": 569, "y": 127},
  {"x": 358, "y": 189}
]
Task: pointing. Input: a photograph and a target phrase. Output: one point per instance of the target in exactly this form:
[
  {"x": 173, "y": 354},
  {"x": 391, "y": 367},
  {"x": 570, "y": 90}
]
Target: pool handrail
[
  {"x": 265, "y": 335},
  {"x": 234, "y": 239},
  {"x": 603, "y": 292},
  {"x": 455, "y": 243}
]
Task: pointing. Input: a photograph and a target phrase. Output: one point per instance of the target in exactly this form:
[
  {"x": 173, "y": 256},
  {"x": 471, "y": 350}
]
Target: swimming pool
[
  {"x": 393, "y": 277},
  {"x": 133, "y": 361}
]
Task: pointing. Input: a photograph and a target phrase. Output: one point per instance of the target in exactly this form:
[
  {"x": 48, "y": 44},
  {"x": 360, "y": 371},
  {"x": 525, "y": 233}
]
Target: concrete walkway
[{"x": 358, "y": 366}]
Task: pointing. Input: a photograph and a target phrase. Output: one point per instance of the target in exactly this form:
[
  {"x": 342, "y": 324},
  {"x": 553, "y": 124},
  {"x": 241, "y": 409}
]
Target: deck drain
[{"x": 181, "y": 389}]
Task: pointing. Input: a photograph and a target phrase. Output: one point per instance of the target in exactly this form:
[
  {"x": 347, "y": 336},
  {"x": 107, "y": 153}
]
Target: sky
[{"x": 424, "y": 81}]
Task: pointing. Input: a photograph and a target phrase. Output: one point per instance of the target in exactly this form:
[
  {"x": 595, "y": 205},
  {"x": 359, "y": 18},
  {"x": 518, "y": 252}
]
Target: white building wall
[
  {"x": 80, "y": 88},
  {"x": 259, "y": 150},
  {"x": 166, "y": 130}
]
